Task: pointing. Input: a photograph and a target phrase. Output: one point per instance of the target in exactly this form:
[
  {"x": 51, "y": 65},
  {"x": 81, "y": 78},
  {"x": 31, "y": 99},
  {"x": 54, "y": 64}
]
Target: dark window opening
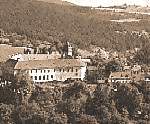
[
  {"x": 39, "y": 77},
  {"x": 44, "y": 77},
  {"x": 35, "y": 77}
]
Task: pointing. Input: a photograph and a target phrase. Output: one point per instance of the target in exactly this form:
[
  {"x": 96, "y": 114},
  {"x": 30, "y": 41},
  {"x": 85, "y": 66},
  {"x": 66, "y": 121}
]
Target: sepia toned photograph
[{"x": 74, "y": 61}]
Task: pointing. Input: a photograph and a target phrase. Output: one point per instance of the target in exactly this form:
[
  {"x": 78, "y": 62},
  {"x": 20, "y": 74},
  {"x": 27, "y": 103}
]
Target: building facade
[
  {"x": 119, "y": 77},
  {"x": 48, "y": 70}
]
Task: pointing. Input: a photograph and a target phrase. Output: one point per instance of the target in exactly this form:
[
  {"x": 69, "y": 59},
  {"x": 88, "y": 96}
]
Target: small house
[{"x": 119, "y": 77}]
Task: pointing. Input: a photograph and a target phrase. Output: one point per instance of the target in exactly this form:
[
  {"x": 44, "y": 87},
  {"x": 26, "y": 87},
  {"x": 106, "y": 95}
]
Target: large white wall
[
  {"x": 106, "y": 3},
  {"x": 58, "y": 75},
  {"x": 83, "y": 73}
]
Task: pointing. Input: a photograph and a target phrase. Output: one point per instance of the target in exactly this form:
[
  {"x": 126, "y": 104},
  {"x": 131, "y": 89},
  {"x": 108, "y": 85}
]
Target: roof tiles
[{"x": 48, "y": 64}]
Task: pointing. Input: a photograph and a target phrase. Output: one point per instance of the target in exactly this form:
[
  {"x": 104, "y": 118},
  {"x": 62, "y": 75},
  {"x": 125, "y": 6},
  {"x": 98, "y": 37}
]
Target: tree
[
  {"x": 128, "y": 97},
  {"x": 6, "y": 114},
  {"x": 32, "y": 113},
  {"x": 23, "y": 87},
  {"x": 73, "y": 100},
  {"x": 58, "y": 119},
  {"x": 145, "y": 88},
  {"x": 86, "y": 119},
  {"x": 143, "y": 56},
  {"x": 118, "y": 119},
  {"x": 112, "y": 66},
  {"x": 100, "y": 105}
]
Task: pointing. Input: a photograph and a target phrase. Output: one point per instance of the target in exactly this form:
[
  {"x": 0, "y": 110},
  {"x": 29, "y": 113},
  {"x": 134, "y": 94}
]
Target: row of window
[
  {"x": 42, "y": 77},
  {"x": 45, "y": 77},
  {"x": 60, "y": 70}
]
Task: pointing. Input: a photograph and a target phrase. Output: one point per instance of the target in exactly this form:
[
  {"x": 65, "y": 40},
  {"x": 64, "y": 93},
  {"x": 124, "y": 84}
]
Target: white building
[
  {"x": 70, "y": 49},
  {"x": 119, "y": 77},
  {"x": 48, "y": 70}
]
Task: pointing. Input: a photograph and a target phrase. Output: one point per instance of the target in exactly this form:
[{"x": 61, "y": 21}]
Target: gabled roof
[{"x": 48, "y": 64}]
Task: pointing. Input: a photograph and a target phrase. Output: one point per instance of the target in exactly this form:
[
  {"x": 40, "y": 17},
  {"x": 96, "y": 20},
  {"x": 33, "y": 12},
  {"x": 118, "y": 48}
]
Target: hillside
[
  {"x": 83, "y": 26},
  {"x": 107, "y": 3},
  {"x": 61, "y": 2}
]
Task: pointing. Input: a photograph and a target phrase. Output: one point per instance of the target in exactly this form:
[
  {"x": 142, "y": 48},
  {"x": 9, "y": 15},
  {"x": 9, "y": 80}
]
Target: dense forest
[
  {"x": 24, "y": 103},
  {"x": 81, "y": 25}
]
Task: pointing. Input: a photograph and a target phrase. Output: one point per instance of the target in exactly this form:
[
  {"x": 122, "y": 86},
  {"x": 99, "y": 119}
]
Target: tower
[{"x": 70, "y": 49}]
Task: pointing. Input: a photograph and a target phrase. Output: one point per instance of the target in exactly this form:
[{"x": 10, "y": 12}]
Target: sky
[{"x": 105, "y": 3}]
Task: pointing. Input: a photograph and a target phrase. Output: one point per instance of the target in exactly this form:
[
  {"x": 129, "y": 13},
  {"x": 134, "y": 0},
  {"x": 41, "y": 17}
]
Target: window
[
  {"x": 31, "y": 77},
  {"x": 39, "y": 77},
  {"x": 44, "y": 77},
  {"x": 44, "y": 71},
  {"x": 47, "y": 77},
  {"x": 48, "y": 70},
  {"x": 54, "y": 70},
  {"x": 41, "y": 71},
  {"x": 60, "y": 70},
  {"x": 76, "y": 74},
  {"x": 72, "y": 70},
  {"x": 51, "y": 76},
  {"x": 36, "y": 70},
  {"x": 35, "y": 77},
  {"x": 63, "y": 70},
  {"x": 76, "y": 70},
  {"x": 31, "y": 71},
  {"x": 68, "y": 70}
]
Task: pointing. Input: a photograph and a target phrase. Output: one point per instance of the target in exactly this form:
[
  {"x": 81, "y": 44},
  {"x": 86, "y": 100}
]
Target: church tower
[{"x": 70, "y": 49}]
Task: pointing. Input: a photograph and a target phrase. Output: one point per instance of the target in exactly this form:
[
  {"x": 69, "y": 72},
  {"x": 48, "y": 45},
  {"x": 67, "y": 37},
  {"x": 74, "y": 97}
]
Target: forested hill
[{"x": 41, "y": 20}]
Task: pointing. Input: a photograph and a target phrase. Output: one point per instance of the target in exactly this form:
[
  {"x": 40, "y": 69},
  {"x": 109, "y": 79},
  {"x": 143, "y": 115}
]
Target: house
[
  {"x": 119, "y": 77},
  {"x": 46, "y": 70},
  {"x": 68, "y": 50},
  {"x": 137, "y": 72}
]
